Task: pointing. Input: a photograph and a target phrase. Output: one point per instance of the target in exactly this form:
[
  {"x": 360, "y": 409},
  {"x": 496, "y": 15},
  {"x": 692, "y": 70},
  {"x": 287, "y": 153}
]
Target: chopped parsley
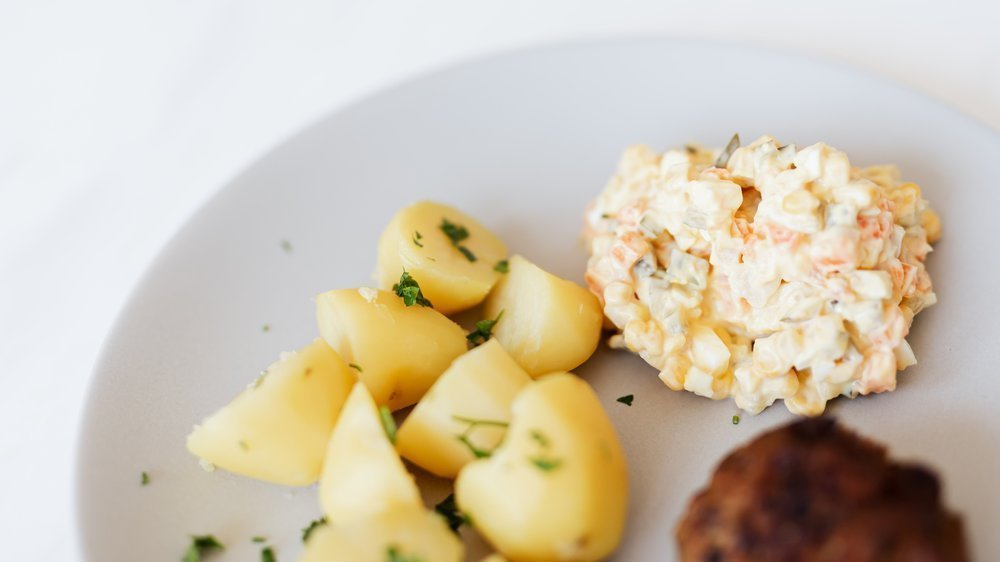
[
  {"x": 265, "y": 328},
  {"x": 463, "y": 437},
  {"x": 267, "y": 555},
  {"x": 476, "y": 451},
  {"x": 502, "y": 266},
  {"x": 312, "y": 527},
  {"x": 483, "y": 331},
  {"x": 388, "y": 423},
  {"x": 144, "y": 478},
  {"x": 447, "y": 509},
  {"x": 259, "y": 539},
  {"x": 393, "y": 555},
  {"x": 409, "y": 291},
  {"x": 627, "y": 399},
  {"x": 200, "y": 546},
  {"x": 244, "y": 446},
  {"x": 286, "y": 246},
  {"x": 356, "y": 367},
  {"x": 474, "y": 422},
  {"x": 736, "y": 420},
  {"x": 457, "y": 233},
  {"x": 417, "y": 237},
  {"x": 545, "y": 464},
  {"x": 540, "y": 438}
]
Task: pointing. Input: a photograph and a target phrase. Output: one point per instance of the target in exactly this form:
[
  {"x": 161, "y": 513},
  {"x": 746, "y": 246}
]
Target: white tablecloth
[{"x": 118, "y": 119}]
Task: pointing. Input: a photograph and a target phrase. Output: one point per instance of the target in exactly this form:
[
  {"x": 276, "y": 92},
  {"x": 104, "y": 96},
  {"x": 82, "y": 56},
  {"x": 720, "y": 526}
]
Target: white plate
[{"x": 523, "y": 141}]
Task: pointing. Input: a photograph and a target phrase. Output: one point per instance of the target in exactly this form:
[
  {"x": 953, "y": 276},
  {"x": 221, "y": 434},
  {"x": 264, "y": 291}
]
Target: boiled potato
[
  {"x": 397, "y": 350},
  {"x": 277, "y": 429},
  {"x": 399, "y": 535},
  {"x": 494, "y": 558},
  {"x": 363, "y": 475},
  {"x": 453, "y": 275},
  {"x": 471, "y": 401},
  {"x": 548, "y": 324},
  {"x": 557, "y": 487}
]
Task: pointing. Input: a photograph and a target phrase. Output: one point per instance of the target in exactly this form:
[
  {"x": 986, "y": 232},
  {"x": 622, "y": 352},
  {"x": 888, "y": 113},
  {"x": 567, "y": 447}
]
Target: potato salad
[{"x": 762, "y": 272}]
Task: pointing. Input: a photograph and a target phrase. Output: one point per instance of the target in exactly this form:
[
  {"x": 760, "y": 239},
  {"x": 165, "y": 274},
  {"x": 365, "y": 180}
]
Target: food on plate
[
  {"x": 762, "y": 272},
  {"x": 465, "y": 413},
  {"x": 546, "y": 323},
  {"x": 363, "y": 475},
  {"x": 277, "y": 429},
  {"x": 452, "y": 255},
  {"x": 814, "y": 491},
  {"x": 557, "y": 487},
  {"x": 398, "y": 346},
  {"x": 401, "y": 535}
]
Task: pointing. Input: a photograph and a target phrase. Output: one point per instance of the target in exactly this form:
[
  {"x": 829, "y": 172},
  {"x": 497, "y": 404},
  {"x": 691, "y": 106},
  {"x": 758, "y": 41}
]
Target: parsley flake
[
  {"x": 736, "y": 420},
  {"x": 627, "y": 399},
  {"x": 267, "y": 555},
  {"x": 544, "y": 464},
  {"x": 540, "y": 438},
  {"x": 393, "y": 555},
  {"x": 409, "y": 291},
  {"x": 200, "y": 546},
  {"x": 457, "y": 233},
  {"x": 476, "y": 451},
  {"x": 463, "y": 437},
  {"x": 144, "y": 478},
  {"x": 356, "y": 367},
  {"x": 312, "y": 527},
  {"x": 259, "y": 539},
  {"x": 483, "y": 331},
  {"x": 502, "y": 266},
  {"x": 417, "y": 237},
  {"x": 265, "y": 328},
  {"x": 286, "y": 246},
  {"x": 388, "y": 423},
  {"x": 447, "y": 509},
  {"x": 244, "y": 446}
]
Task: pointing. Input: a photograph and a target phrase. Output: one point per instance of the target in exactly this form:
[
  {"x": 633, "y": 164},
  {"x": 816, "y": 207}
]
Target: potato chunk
[
  {"x": 402, "y": 534},
  {"x": 449, "y": 253},
  {"x": 557, "y": 487},
  {"x": 277, "y": 429},
  {"x": 466, "y": 410},
  {"x": 363, "y": 475},
  {"x": 397, "y": 350},
  {"x": 548, "y": 324}
]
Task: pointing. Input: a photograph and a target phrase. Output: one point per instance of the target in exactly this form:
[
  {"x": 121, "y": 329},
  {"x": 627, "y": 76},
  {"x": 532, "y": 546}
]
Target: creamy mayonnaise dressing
[{"x": 783, "y": 274}]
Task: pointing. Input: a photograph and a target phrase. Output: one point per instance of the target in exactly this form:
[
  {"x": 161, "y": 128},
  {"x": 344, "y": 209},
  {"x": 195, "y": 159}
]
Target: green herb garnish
[
  {"x": 265, "y": 328},
  {"x": 463, "y": 437},
  {"x": 545, "y": 464},
  {"x": 476, "y": 451},
  {"x": 539, "y": 438},
  {"x": 627, "y": 399},
  {"x": 409, "y": 291},
  {"x": 736, "y": 420},
  {"x": 447, "y": 509},
  {"x": 502, "y": 266},
  {"x": 244, "y": 446},
  {"x": 393, "y": 555},
  {"x": 457, "y": 233},
  {"x": 474, "y": 422},
  {"x": 356, "y": 367},
  {"x": 144, "y": 478},
  {"x": 259, "y": 539},
  {"x": 417, "y": 237},
  {"x": 267, "y": 555},
  {"x": 200, "y": 546},
  {"x": 312, "y": 527},
  {"x": 388, "y": 423},
  {"x": 483, "y": 331},
  {"x": 286, "y": 246}
]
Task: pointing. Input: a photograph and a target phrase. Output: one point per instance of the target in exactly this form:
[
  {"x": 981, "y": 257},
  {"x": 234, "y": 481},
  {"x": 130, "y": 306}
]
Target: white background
[{"x": 118, "y": 119}]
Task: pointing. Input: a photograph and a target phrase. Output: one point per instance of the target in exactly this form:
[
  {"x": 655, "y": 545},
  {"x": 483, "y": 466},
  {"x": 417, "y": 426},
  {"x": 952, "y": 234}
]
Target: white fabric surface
[{"x": 119, "y": 118}]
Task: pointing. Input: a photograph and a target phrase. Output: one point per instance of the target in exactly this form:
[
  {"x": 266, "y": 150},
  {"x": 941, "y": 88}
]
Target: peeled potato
[
  {"x": 398, "y": 350},
  {"x": 394, "y": 536},
  {"x": 494, "y": 558},
  {"x": 277, "y": 429},
  {"x": 452, "y": 279},
  {"x": 557, "y": 488},
  {"x": 363, "y": 475},
  {"x": 480, "y": 385},
  {"x": 548, "y": 324}
]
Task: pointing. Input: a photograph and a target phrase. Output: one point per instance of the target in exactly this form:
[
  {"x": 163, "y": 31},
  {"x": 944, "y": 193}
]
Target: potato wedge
[
  {"x": 398, "y": 535},
  {"x": 455, "y": 272},
  {"x": 277, "y": 429},
  {"x": 466, "y": 410},
  {"x": 398, "y": 350},
  {"x": 363, "y": 475},
  {"x": 548, "y": 324},
  {"x": 557, "y": 487}
]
